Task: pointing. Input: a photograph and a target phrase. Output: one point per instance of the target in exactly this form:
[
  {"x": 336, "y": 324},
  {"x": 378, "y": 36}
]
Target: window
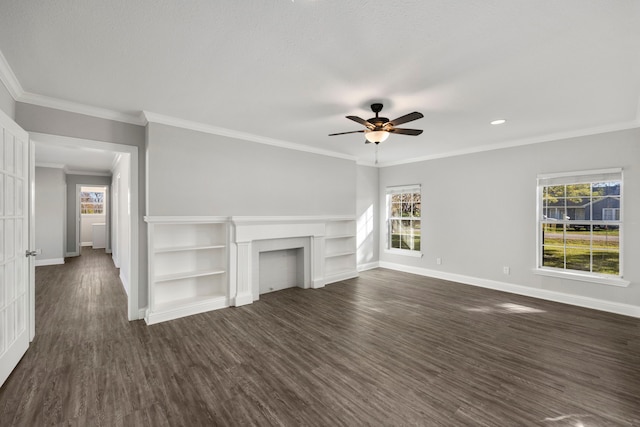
[
  {"x": 580, "y": 223},
  {"x": 92, "y": 202},
  {"x": 404, "y": 216}
]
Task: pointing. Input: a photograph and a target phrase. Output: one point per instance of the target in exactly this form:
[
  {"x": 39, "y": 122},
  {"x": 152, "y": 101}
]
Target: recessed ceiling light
[{"x": 498, "y": 122}]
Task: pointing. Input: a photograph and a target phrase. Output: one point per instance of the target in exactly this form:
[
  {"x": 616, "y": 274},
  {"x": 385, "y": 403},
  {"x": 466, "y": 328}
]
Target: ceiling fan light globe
[{"x": 376, "y": 136}]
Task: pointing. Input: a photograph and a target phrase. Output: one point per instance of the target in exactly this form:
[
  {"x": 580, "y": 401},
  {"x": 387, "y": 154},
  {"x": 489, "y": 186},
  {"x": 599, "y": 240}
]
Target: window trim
[
  {"x": 558, "y": 179},
  {"x": 399, "y": 189}
]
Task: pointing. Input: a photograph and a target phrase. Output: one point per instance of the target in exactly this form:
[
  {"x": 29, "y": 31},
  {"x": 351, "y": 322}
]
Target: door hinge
[{"x": 30, "y": 253}]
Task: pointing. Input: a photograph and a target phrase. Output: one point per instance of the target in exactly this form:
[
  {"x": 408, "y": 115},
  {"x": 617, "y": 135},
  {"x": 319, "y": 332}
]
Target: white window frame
[
  {"x": 413, "y": 188},
  {"x": 579, "y": 177}
]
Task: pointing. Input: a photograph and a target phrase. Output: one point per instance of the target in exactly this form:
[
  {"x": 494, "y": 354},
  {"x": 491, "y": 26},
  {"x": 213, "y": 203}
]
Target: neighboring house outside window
[
  {"x": 92, "y": 202},
  {"x": 580, "y": 223},
  {"x": 404, "y": 219}
]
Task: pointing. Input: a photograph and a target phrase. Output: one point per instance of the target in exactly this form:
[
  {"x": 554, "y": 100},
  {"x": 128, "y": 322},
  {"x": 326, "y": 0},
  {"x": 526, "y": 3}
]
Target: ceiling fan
[{"x": 379, "y": 128}]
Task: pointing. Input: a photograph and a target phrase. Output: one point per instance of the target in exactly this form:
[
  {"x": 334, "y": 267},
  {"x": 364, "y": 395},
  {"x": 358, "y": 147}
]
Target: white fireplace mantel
[{"x": 249, "y": 230}]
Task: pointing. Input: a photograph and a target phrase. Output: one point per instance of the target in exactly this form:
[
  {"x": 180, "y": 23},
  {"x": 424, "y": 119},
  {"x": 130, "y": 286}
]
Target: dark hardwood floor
[{"x": 386, "y": 349}]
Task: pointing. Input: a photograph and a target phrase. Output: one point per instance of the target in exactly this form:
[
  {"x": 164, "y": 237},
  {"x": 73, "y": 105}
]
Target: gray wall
[
  {"x": 7, "y": 103},
  {"x": 49, "y": 213},
  {"x": 72, "y": 181},
  {"x": 479, "y": 210},
  {"x": 34, "y": 118},
  {"x": 367, "y": 213},
  {"x": 194, "y": 173}
]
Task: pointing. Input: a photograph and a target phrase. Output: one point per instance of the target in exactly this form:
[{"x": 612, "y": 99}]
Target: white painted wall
[
  {"x": 367, "y": 214},
  {"x": 479, "y": 212},
  {"x": 50, "y": 196},
  {"x": 121, "y": 220},
  {"x": 86, "y": 227},
  {"x": 280, "y": 269},
  {"x": 194, "y": 173}
]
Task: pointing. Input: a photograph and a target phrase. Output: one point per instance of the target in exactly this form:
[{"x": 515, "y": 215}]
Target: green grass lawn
[
  {"x": 604, "y": 261},
  {"x": 401, "y": 241}
]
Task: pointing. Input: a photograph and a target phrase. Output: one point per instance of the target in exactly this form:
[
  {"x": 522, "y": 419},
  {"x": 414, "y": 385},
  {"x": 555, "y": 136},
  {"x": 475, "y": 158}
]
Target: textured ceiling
[{"x": 291, "y": 70}]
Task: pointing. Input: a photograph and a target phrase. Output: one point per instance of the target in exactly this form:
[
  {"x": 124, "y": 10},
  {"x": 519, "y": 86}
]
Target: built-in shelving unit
[
  {"x": 188, "y": 264},
  {"x": 340, "y": 261}
]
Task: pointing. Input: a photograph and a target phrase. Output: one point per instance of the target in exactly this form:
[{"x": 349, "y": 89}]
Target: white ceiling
[{"x": 291, "y": 70}]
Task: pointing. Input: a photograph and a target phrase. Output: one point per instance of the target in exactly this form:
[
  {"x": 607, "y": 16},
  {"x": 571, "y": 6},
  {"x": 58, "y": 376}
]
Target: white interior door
[{"x": 14, "y": 235}]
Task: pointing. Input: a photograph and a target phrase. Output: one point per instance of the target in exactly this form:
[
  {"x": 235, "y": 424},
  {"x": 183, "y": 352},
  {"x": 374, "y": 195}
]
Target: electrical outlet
[
  {"x": 439, "y": 261},
  {"x": 506, "y": 270}
]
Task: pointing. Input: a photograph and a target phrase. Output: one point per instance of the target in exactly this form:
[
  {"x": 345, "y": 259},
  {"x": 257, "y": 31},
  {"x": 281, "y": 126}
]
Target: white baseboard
[
  {"x": 86, "y": 244},
  {"x": 142, "y": 313},
  {"x": 116, "y": 262},
  {"x": 333, "y": 278},
  {"x": 125, "y": 283},
  {"x": 52, "y": 261},
  {"x": 587, "y": 302},
  {"x": 195, "y": 308},
  {"x": 368, "y": 266},
  {"x": 243, "y": 299}
]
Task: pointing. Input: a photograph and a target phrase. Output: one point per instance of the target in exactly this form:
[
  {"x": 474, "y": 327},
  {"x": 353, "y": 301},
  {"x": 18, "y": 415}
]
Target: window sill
[
  {"x": 404, "y": 252},
  {"x": 611, "y": 281}
]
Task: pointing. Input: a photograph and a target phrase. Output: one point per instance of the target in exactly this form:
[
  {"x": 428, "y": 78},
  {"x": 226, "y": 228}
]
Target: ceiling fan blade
[
  {"x": 363, "y": 122},
  {"x": 344, "y": 133},
  {"x": 406, "y": 118},
  {"x": 413, "y": 132}
]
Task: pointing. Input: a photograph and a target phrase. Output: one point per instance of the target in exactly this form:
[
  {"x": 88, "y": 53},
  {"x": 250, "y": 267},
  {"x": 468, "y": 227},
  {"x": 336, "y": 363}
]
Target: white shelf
[
  {"x": 341, "y": 236},
  {"x": 186, "y": 275},
  {"x": 188, "y": 264},
  {"x": 188, "y": 248},
  {"x": 340, "y": 250},
  {"x": 338, "y": 254}
]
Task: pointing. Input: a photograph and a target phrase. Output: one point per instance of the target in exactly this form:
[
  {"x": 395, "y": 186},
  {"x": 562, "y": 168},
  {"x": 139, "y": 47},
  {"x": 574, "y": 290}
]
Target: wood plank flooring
[{"x": 387, "y": 348}]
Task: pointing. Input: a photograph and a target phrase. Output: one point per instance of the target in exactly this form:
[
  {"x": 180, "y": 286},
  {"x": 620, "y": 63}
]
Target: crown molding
[
  {"x": 87, "y": 173},
  {"x": 361, "y": 162},
  {"x": 51, "y": 165},
  {"x": 9, "y": 79},
  {"x": 75, "y": 107},
  {"x": 519, "y": 142},
  {"x": 18, "y": 94},
  {"x": 150, "y": 117}
]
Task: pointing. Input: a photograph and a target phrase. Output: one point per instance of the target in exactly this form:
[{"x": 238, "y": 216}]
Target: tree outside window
[
  {"x": 405, "y": 215},
  {"x": 92, "y": 202}
]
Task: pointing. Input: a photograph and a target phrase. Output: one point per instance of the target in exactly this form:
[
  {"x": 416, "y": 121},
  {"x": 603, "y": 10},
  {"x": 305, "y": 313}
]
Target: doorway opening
[
  {"x": 92, "y": 217},
  {"x": 120, "y": 201}
]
